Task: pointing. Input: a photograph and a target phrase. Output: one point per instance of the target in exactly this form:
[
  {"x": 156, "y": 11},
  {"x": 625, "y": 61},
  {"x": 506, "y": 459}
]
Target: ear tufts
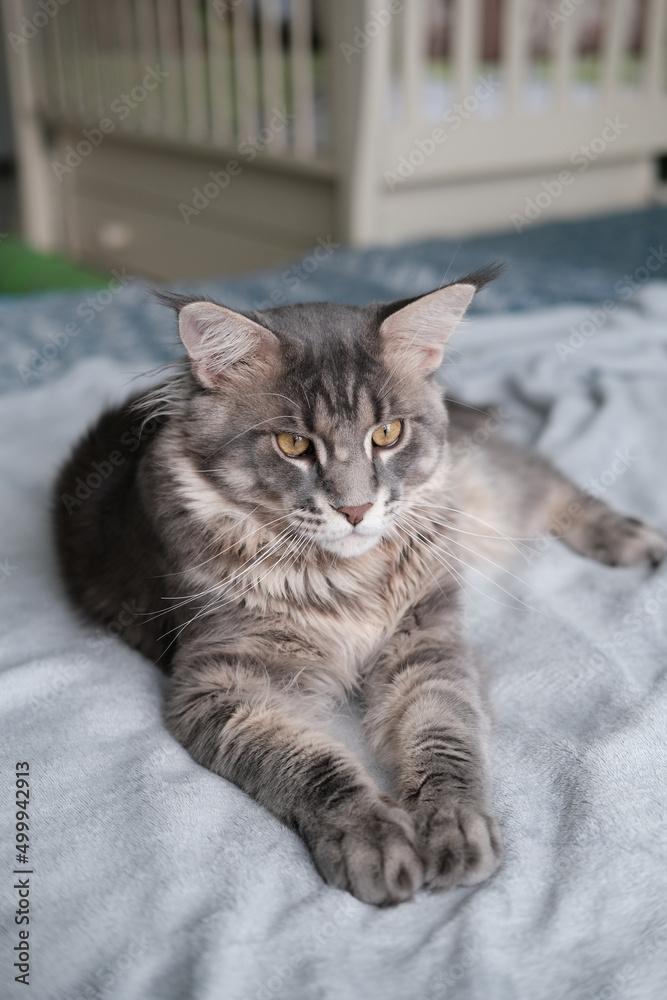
[
  {"x": 484, "y": 275},
  {"x": 173, "y": 300}
]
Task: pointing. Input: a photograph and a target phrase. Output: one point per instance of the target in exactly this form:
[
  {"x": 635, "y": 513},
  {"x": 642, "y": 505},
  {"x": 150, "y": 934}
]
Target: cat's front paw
[
  {"x": 460, "y": 844},
  {"x": 370, "y": 851}
]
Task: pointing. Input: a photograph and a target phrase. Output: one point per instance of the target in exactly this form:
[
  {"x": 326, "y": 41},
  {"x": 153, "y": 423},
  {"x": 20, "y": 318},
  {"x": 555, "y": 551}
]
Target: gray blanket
[{"x": 152, "y": 879}]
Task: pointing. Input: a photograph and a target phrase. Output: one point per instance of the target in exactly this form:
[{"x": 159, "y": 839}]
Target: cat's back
[{"x": 108, "y": 551}]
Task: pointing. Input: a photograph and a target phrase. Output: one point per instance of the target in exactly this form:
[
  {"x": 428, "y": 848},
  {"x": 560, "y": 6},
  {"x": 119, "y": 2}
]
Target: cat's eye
[
  {"x": 294, "y": 445},
  {"x": 387, "y": 434}
]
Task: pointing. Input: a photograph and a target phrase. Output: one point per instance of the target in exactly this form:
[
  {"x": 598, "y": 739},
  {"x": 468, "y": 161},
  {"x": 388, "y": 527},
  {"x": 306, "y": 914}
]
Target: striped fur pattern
[{"x": 265, "y": 602}]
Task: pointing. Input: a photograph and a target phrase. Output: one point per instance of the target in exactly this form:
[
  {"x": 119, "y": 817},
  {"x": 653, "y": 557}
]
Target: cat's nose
[{"x": 355, "y": 514}]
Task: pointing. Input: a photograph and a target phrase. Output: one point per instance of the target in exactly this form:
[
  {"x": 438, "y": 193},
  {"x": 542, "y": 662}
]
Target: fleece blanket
[{"x": 130, "y": 872}]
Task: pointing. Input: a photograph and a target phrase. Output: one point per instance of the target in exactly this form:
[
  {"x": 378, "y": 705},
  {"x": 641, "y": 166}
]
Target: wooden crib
[{"x": 192, "y": 137}]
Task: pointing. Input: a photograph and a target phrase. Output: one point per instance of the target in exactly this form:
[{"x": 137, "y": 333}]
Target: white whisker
[
  {"x": 476, "y": 552},
  {"x": 487, "y": 524},
  {"x": 439, "y": 552},
  {"x": 229, "y": 581}
]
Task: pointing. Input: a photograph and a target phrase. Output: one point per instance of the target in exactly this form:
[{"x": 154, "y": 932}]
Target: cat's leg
[
  {"x": 594, "y": 529},
  {"x": 523, "y": 494},
  {"x": 427, "y": 720},
  {"x": 231, "y": 719}
]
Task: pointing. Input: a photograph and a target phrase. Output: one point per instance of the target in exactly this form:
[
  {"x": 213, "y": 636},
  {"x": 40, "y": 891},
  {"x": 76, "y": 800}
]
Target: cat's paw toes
[
  {"x": 625, "y": 541},
  {"x": 371, "y": 853},
  {"x": 460, "y": 845}
]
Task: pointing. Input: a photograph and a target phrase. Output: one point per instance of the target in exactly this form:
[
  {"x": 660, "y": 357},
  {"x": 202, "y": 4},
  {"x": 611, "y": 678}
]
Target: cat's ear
[
  {"x": 225, "y": 346},
  {"x": 417, "y": 333}
]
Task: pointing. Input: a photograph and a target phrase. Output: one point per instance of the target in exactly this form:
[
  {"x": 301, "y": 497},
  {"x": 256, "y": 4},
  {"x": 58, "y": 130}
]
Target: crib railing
[
  {"x": 529, "y": 106},
  {"x": 231, "y": 64},
  {"x": 228, "y": 65},
  {"x": 359, "y": 86},
  {"x": 558, "y": 92}
]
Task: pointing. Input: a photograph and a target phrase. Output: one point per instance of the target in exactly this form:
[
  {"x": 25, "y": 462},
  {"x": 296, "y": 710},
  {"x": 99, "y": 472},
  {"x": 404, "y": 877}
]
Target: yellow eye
[
  {"x": 388, "y": 433},
  {"x": 293, "y": 444}
]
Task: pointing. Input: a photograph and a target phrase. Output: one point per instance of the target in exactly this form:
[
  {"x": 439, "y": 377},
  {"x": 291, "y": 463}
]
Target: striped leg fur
[
  {"x": 231, "y": 720},
  {"x": 427, "y": 720}
]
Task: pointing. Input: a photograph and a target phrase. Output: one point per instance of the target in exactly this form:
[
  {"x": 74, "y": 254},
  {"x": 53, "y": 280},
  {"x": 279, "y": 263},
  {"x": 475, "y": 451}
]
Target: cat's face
[{"x": 324, "y": 420}]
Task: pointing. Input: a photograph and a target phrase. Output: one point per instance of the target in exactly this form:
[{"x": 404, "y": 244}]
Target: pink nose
[{"x": 355, "y": 514}]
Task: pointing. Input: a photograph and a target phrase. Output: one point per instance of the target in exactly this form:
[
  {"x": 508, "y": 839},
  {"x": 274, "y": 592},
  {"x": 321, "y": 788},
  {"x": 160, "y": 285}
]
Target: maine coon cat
[{"x": 293, "y": 530}]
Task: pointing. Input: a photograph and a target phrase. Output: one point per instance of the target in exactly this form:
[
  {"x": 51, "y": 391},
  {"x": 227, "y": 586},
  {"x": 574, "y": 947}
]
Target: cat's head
[{"x": 326, "y": 418}]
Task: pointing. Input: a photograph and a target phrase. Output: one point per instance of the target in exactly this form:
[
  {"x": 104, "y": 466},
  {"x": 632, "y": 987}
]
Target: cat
[{"x": 295, "y": 526}]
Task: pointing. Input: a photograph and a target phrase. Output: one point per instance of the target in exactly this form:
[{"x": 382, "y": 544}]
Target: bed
[{"x": 153, "y": 879}]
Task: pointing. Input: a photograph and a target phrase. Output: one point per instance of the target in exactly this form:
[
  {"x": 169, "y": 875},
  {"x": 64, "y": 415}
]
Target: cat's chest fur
[
  {"x": 311, "y": 618},
  {"x": 317, "y": 622}
]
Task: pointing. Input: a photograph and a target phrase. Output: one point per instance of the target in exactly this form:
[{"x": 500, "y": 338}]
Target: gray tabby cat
[{"x": 296, "y": 513}]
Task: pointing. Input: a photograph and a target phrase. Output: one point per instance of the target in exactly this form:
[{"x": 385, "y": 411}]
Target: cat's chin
[{"x": 354, "y": 544}]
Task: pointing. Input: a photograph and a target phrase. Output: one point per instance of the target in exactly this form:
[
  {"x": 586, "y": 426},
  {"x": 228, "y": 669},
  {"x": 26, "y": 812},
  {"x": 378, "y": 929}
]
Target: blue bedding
[{"x": 152, "y": 879}]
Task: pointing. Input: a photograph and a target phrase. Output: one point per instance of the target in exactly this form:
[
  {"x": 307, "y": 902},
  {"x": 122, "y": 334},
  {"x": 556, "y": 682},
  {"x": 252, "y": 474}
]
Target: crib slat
[
  {"x": 77, "y": 56},
  {"x": 107, "y": 49},
  {"x": 615, "y": 34},
  {"x": 514, "y": 51},
  {"x": 194, "y": 78},
  {"x": 245, "y": 78},
  {"x": 219, "y": 73},
  {"x": 42, "y": 69},
  {"x": 466, "y": 46},
  {"x": 171, "y": 89},
  {"x": 655, "y": 42},
  {"x": 359, "y": 111},
  {"x": 151, "y": 115},
  {"x": 88, "y": 61},
  {"x": 303, "y": 85},
  {"x": 413, "y": 38},
  {"x": 564, "y": 44},
  {"x": 72, "y": 76},
  {"x": 127, "y": 60},
  {"x": 271, "y": 55},
  {"x": 56, "y": 48},
  {"x": 40, "y": 224},
  {"x": 93, "y": 26}
]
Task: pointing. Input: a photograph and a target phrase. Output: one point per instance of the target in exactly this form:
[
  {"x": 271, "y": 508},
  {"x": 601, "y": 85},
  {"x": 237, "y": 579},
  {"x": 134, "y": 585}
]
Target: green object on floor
[{"x": 23, "y": 270}]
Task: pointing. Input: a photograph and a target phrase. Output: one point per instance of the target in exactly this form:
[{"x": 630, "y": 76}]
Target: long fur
[{"x": 252, "y": 589}]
